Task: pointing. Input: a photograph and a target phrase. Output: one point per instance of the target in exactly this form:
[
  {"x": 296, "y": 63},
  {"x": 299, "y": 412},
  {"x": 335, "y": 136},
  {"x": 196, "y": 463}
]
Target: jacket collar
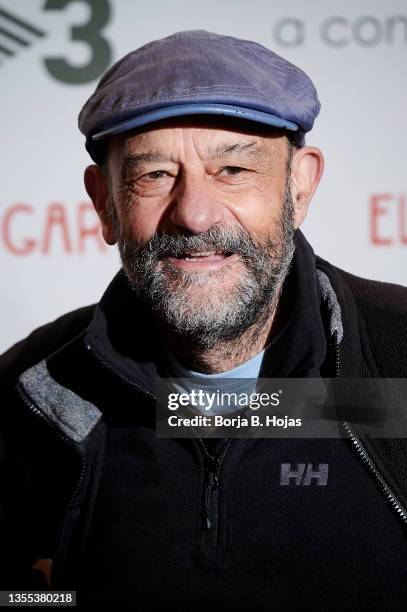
[{"x": 123, "y": 335}]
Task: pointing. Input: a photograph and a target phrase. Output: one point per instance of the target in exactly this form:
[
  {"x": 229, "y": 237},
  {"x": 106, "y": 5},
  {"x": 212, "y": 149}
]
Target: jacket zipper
[
  {"x": 336, "y": 355},
  {"x": 384, "y": 487},
  {"x": 60, "y": 540},
  {"x": 363, "y": 454},
  {"x": 213, "y": 464},
  {"x": 210, "y": 515}
]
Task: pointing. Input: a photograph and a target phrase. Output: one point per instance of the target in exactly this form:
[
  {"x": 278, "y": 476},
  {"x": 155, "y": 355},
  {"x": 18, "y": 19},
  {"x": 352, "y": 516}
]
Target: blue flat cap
[{"x": 199, "y": 73}]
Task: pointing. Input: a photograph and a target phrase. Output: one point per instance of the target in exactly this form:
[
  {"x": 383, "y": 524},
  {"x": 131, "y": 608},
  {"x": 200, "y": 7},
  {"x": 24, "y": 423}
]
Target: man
[{"x": 202, "y": 178}]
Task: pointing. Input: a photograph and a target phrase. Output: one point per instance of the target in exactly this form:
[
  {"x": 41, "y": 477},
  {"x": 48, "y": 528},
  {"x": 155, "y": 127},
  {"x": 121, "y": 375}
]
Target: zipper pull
[{"x": 212, "y": 484}]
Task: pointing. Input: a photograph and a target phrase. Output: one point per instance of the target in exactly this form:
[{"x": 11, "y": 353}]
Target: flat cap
[{"x": 198, "y": 73}]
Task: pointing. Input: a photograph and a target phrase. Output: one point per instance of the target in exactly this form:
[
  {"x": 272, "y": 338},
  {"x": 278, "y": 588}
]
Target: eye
[
  {"x": 155, "y": 174},
  {"x": 155, "y": 178},
  {"x": 233, "y": 170},
  {"x": 154, "y": 183}
]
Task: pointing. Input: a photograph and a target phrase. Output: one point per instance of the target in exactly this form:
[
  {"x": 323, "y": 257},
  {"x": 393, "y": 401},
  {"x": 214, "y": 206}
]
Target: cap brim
[{"x": 182, "y": 110}]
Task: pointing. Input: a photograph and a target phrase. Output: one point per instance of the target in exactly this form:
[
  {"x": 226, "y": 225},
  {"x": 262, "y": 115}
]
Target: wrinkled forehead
[{"x": 213, "y": 135}]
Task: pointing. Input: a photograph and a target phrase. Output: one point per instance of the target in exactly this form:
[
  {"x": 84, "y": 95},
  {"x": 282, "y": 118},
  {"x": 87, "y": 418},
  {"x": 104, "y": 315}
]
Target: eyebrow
[
  {"x": 252, "y": 148},
  {"x": 135, "y": 160}
]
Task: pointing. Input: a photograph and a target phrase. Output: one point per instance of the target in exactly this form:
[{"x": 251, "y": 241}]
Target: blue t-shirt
[{"x": 241, "y": 379}]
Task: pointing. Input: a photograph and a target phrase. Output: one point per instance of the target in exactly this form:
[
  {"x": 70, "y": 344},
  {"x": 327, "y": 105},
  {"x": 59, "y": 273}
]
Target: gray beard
[{"x": 185, "y": 301}]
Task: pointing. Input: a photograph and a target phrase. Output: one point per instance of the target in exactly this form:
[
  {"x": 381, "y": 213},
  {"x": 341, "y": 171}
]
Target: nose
[{"x": 195, "y": 207}]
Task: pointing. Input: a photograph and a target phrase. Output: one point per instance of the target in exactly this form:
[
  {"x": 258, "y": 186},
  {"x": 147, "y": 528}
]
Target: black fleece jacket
[{"x": 86, "y": 483}]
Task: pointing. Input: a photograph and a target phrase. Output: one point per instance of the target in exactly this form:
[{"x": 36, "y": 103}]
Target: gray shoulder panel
[
  {"x": 70, "y": 413},
  {"x": 334, "y": 309}
]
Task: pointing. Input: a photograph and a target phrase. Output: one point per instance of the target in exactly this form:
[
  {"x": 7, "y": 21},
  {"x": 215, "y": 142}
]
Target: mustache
[{"x": 236, "y": 240}]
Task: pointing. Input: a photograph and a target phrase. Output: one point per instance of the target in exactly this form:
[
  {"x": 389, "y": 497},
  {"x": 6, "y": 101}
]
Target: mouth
[
  {"x": 201, "y": 259},
  {"x": 211, "y": 255}
]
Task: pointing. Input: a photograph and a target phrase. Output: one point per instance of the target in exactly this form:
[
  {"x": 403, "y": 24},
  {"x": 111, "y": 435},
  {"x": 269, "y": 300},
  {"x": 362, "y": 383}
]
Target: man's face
[{"x": 204, "y": 224}]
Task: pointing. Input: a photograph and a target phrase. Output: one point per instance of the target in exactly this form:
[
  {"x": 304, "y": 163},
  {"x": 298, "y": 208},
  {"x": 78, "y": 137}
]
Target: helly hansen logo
[{"x": 304, "y": 474}]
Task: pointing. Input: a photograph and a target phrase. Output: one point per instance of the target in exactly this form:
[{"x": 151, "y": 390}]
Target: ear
[
  {"x": 98, "y": 190},
  {"x": 307, "y": 169}
]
